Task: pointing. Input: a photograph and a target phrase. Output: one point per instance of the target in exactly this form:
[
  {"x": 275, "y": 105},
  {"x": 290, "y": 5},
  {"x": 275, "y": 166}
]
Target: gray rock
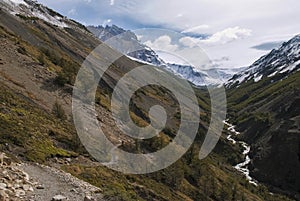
[
  {"x": 9, "y": 185},
  {"x": 74, "y": 190},
  {"x": 20, "y": 193},
  {"x": 3, "y": 196},
  {"x": 27, "y": 187},
  {"x": 88, "y": 198},
  {"x": 26, "y": 176},
  {"x": 3, "y": 186},
  {"x": 16, "y": 186},
  {"x": 40, "y": 187},
  {"x": 59, "y": 198}
]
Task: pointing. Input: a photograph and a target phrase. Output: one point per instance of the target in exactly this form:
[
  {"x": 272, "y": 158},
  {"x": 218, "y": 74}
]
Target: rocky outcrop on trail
[{"x": 35, "y": 182}]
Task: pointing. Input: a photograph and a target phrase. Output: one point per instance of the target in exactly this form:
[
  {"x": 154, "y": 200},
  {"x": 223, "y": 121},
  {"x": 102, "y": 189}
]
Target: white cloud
[
  {"x": 227, "y": 35},
  {"x": 270, "y": 20},
  {"x": 72, "y": 11},
  {"x": 189, "y": 41},
  {"x": 106, "y": 22},
  {"x": 197, "y": 29},
  {"x": 162, "y": 43},
  {"x": 219, "y": 38}
]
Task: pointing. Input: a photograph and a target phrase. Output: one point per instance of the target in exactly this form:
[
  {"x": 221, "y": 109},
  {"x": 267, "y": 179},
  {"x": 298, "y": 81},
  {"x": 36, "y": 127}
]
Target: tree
[
  {"x": 224, "y": 194},
  {"x": 234, "y": 192}
]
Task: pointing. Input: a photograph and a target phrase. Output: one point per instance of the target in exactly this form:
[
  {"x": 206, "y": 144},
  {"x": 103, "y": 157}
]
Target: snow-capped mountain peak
[
  {"x": 144, "y": 53},
  {"x": 284, "y": 60},
  {"x": 148, "y": 56},
  {"x": 32, "y": 10},
  {"x": 29, "y": 8}
]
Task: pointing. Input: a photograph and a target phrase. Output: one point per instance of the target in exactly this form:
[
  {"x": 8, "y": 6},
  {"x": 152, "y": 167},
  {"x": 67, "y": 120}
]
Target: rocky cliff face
[{"x": 144, "y": 53}]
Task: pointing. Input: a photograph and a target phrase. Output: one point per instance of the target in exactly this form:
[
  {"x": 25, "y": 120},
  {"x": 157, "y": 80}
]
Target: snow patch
[
  {"x": 242, "y": 78},
  {"x": 272, "y": 74},
  {"x": 33, "y": 9},
  {"x": 48, "y": 18},
  {"x": 138, "y": 60},
  {"x": 17, "y": 2},
  {"x": 257, "y": 78},
  {"x": 290, "y": 67}
]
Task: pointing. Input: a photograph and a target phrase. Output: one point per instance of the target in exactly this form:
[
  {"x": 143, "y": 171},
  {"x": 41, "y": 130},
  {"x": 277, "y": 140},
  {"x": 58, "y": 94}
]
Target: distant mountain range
[
  {"x": 146, "y": 55},
  {"x": 279, "y": 60},
  {"x": 41, "y": 54}
]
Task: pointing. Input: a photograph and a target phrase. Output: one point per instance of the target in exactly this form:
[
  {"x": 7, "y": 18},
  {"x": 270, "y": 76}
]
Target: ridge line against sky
[{"x": 239, "y": 32}]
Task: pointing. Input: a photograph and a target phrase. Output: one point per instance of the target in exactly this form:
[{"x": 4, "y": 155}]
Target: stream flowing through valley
[{"x": 243, "y": 166}]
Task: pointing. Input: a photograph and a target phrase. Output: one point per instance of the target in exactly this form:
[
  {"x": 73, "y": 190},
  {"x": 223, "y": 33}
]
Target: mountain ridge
[
  {"x": 39, "y": 62},
  {"x": 146, "y": 55},
  {"x": 265, "y": 108},
  {"x": 285, "y": 59}
]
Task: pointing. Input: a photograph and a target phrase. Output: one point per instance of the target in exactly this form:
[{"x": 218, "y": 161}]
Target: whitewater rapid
[{"x": 243, "y": 166}]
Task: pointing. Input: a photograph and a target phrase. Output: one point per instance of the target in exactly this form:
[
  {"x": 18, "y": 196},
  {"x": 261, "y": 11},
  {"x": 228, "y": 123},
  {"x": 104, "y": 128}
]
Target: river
[{"x": 243, "y": 166}]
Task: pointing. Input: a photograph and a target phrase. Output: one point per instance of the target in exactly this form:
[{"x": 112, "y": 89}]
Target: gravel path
[{"x": 53, "y": 182}]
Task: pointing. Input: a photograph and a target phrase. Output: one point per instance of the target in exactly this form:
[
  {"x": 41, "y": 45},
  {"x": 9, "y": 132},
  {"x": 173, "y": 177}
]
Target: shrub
[
  {"x": 52, "y": 55},
  {"x": 61, "y": 79},
  {"x": 21, "y": 50},
  {"x": 68, "y": 73},
  {"x": 41, "y": 59},
  {"x": 58, "y": 111}
]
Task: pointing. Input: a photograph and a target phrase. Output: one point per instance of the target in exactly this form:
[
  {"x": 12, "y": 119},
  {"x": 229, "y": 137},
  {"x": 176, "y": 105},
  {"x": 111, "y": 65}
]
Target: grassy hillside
[
  {"x": 38, "y": 65},
  {"x": 267, "y": 112}
]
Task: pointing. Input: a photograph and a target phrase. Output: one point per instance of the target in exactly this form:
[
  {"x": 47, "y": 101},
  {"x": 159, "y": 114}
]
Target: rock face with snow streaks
[
  {"x": 284, "y": 60},
  {"x": 148, "y": 56}
]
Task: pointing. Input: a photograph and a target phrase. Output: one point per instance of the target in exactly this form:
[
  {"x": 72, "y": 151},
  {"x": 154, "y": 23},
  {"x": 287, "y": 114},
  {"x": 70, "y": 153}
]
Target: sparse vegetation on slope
[
  {"x": 28, "y": 129},
  {"x": 267, "y": 112}
]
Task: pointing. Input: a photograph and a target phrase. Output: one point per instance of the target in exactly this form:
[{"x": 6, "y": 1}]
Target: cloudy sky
[{"x": 233, "y": 33}]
